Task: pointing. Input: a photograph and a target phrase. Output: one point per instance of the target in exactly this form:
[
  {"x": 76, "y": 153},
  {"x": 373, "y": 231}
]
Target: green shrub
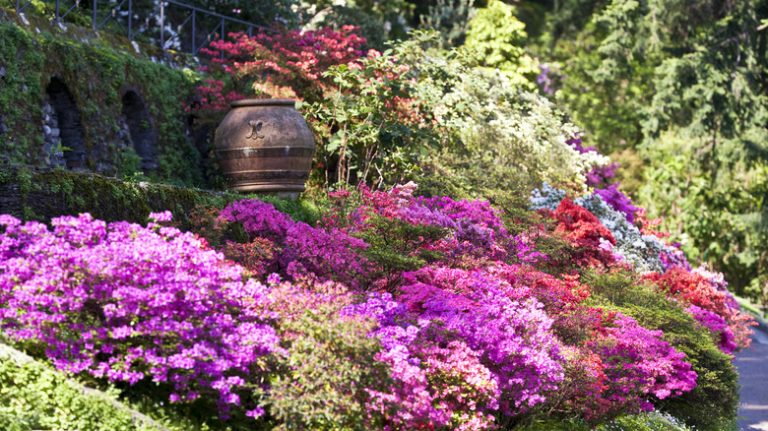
[
  {"x": 497, "y": 39},
  {"x": 643, "y": 422},
  {"x": 396, "y": 245},
  {"x": 325, "y": 352},
  {"x": 33, "y": 396}
]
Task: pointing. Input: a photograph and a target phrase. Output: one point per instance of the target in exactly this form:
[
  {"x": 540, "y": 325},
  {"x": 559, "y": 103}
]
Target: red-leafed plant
[{"x": 276, "y": 63}]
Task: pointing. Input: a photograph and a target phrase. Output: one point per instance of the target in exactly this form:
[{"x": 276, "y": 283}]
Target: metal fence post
[
  {"x": 162, "y": 25},
  {"x": 95, "y": 16},
  {"x": 56, "y": 13},
  {"x": 194, "y": 32},
  {"x": 130, "y": 19}
]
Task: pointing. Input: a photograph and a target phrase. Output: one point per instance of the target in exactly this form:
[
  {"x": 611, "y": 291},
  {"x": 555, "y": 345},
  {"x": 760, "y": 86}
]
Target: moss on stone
[
  {"x": 42, "y": 195},
  {"x": 97, "y": 75}
]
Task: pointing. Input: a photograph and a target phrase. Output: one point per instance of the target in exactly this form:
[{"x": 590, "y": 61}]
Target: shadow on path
[{"x": 753, "y": 376}]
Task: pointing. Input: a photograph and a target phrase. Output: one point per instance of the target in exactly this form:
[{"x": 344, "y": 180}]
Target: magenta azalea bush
[
  {"x": 500, "y": 334},
  {"x": 126, "y": 303},
  {"x": 394, "y": 312},
  {"x": 717, "y": 325},
  {"x": 640, "y": 364},
  {"x": 303, "y": 249}
]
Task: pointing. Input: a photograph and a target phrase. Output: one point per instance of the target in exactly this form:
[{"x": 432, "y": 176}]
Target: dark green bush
[{"x": 33, "y": 396}]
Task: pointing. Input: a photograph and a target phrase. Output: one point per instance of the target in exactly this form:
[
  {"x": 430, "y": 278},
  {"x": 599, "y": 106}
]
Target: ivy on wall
[{"x": 97, "y": 76}]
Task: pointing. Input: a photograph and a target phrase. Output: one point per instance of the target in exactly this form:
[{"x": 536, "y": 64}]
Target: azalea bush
[
  {"x": 129, "y": 303},
  {"x": 407, "y": 311}
]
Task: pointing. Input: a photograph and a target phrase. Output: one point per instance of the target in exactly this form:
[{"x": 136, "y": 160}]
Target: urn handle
[{"x": 255, "y": 132}]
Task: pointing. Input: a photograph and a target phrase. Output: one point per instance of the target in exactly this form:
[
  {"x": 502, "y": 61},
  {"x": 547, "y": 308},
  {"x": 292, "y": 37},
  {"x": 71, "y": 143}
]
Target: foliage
[
  {"x": 720, "y": 217},
  {"x": 35, "y": 396},
  {"x": 654, "y": 421},
  {"x": 293, "y": 63},
  {"x": 379, "y": 21},
  {"x": 97, "y": 75},
  {"x": 684, "y": 87},
  {"x": 370, "y": 125},
  {"x": 496, "y": 38},
  {"x": 450, "y": 19}
]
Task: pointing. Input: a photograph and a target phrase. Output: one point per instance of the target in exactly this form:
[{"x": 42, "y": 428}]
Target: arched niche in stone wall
[
  {"x": 143, "y": 136},
  {"x": 67, "y": 122}
]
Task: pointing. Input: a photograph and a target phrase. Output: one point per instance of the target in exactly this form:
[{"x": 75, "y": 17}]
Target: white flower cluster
[{"x": 642, "y": 251}]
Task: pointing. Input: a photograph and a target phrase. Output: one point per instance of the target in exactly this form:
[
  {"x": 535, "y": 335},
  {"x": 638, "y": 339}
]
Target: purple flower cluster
[
  {"x": 618, "y": 201},
  {"x": 129, "y": 303},
  {"x": 718, "y": 326},
  {"x": 500, "y": 332},
  {"x": 476, "y": 229},
  {"x": 474, "y": 222},
  {"x": 672, "y": 256},
  {"x": 639, "y": 364},
  {"x": 304, "y": 250},
  {"x": 600, "y": 179}
]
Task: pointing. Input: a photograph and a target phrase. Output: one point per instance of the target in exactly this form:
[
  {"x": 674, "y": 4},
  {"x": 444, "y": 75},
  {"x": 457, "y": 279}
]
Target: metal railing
[{"x": 170, "y": 24}]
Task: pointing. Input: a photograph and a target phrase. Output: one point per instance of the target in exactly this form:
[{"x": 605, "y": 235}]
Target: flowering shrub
[
  {"x": 700, "y": 289},
  {"x": 718, "y": 326},
  {"x": 476, "y": 230},
  {"x": 129, "y": 303},
  {"x": 585, "y": 232},
  {"x": 278, "y": 63},
  {"x": 499, "y": 320},
  {"x": 511, "y": 358},
  {"x": 638, "y": 363},
  {"x": 327, "y": 254}
]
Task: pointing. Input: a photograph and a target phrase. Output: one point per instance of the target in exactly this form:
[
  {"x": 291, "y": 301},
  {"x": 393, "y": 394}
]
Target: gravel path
[{"x": 753, "y": 376}]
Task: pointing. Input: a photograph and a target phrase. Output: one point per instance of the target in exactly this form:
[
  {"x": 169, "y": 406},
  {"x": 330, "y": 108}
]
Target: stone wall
[{"x": 84, "y": 106}]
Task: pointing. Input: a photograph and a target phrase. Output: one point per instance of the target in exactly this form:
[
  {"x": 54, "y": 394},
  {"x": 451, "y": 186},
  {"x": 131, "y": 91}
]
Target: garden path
[{"x": 753, "y": 376}]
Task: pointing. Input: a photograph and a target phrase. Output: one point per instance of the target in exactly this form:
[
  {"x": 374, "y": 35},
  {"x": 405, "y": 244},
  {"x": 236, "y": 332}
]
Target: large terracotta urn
[{"x": 265, "y": 145}]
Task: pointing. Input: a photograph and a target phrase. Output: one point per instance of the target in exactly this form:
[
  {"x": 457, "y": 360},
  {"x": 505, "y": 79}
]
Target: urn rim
[{"x": 263, "y": 102}]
